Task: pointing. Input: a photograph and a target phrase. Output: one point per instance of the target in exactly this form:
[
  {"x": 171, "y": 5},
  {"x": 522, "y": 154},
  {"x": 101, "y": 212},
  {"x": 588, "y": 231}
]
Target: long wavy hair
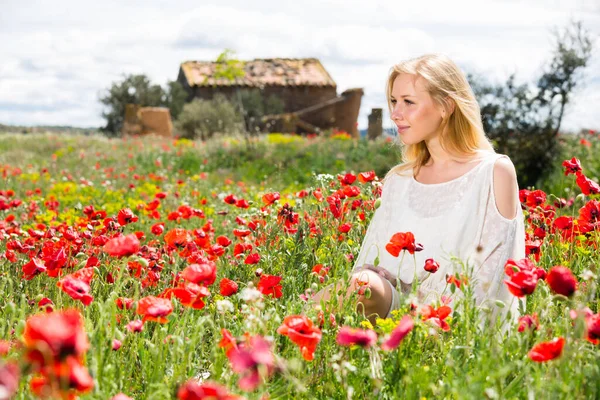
[{"x": 463, "y": 134}]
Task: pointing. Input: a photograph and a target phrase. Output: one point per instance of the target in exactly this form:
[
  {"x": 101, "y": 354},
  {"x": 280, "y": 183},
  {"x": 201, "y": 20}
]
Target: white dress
[{"x": 454, "y": 220}]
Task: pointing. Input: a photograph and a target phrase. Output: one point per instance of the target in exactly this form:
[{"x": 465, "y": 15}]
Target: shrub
[{"x": 203, "y": 118}]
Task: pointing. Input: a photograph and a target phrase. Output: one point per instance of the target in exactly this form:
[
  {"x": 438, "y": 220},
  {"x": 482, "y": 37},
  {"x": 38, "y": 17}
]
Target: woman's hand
[{"x": 381, "y": 271}]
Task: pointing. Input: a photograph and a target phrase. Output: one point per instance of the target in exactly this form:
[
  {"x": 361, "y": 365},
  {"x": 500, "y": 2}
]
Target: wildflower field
[{"x": 147, "y": 268}]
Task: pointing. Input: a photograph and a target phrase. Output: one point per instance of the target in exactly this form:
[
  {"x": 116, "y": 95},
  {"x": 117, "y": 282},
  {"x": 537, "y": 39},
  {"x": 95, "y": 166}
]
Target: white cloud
[{"x": 58, "y": 56}]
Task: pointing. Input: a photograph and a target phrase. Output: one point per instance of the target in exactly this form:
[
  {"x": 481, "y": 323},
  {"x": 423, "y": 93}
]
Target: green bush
[{"x": 201, "y": 119}]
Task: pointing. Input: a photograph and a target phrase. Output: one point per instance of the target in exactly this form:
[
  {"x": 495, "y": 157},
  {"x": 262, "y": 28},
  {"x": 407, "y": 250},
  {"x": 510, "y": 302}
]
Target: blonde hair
[{"x": 445, "y": 83}]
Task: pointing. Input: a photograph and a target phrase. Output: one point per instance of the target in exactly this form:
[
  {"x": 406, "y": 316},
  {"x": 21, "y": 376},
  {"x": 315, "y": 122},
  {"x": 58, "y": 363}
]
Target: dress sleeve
[
  {"x": 372, "y": 243},
  {"x": 501, "y": 239}
]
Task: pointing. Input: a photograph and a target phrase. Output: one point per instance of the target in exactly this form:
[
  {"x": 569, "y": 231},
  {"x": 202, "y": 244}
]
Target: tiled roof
[{"x": 261, "y": 72}]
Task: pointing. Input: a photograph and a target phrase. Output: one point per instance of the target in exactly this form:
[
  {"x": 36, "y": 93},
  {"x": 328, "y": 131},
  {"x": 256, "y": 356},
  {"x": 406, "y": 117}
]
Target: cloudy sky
[{"x": 58, "y": 56}]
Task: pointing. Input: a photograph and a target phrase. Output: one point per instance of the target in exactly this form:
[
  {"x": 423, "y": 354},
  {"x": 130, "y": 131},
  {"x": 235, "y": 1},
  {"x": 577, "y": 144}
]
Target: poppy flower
[
  {"x": 587, "y": 185},
  {"x": 154, "y": 308},
  {"x": 126, "y": 216},
  {"x": 347, "y": 179},
  {"x": 122, "y": 246},
  {"x": 178, "y": 238},
  {"x": 252, "y": 258},
  {"x": 135, "y": 326},
  {"x": 269, "y": 285},
  {"x": 563, "y": 223},
  {"x": 401, "y": 330},
  {"x": 241, "y": 232},
  {"x": 189, "y": 294},
  {"x": 194, "y": 390},
  {"x": 431, "y": 265},
  {"x": 348, "y": 336},
  {"x": 522, "y": 283},
  {"x": 528, "y": 322},
  {"x": 303, "y": 333},
  {"x": 230, "y": 199},
  {"x": 158, "y": 228},
  {"x": 77, "y": 285},
  {"x": 402, "y": 241},
  {"x": 54, "y": 336},
  {"x": 270, "y": 198},
  {"x": 561, "y": 280},
  {"x": 223, "y": 241},
  {"x": 228, "y": 287},
  {"x": 242, "y": 203},
  {"x": 228, "y": 342},
  {"x": 590, "y": 213},
  {"x": 116, "y": 344},
  {"x": 252, "y": 360},
  {"x": 345, "y": 228},
  {"x": 34, "y": 267},
  {"x": 546, "y": 351},
  {"x": 572, "y": 166},
  {"x": 365, "y": 177},
  {"x": 593, "y": 328},
  {"x": 436, "y": 316},
  {"x": 535, "y": 198},
  {"x": 9, "y": 379},
  {"x": 200, "y": 274}
]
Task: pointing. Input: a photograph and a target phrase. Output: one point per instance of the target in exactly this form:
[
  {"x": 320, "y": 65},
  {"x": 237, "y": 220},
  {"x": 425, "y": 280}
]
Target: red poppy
[
  {"x": 242, "y": 203},
  {"x": 126, "y": 216},
  {"x": 436, "y": 316},
  {"x": 158, "y": 228},
  {"x": 201, "y": 274},
  {"x": 522, "y": 283},
  {"x": 431, "y": 265},
  {"x": 347, "y": 179},
  {"x": 402, "y": 241},
  {"x": 241, "y": 232},
  {"x": 401, "y": 330},
  {"x": 587, "y": 185},
  {"x": 230, "y": 199},
  {"x": 77, "y": 285},
  {"x": 34, "y": 267},
  {"x": 318, "y": 195},
  {"x": 223, "y": 241},
  {"x": 535, "y": 198},
  {"x": 52, "y": 337},
  {"x": 572, "y": 166},
  {"x": 154, "y": 309},
  {"x": 365, "y": 177},
  {"x": 228, "y": 287},
  {"x": 177, "y": 238},
  {"x": 547, "y": 351},
  {"x": 228, "y": 342},
  {"x": 252, "y": 360},
  {"x": 122, "y": 246},
  {"x": 253, "y": 258},
  {"x": 9, "y": 379},
  {"x": 270, "y": 198},
  {"x": 189, "y": 294},
  {"x": 135, "y": 326},
  {"x": 124, "y": 303},
  {"x": 564, "y": 222},
  {"x": 302, "y": 332},
  {"x": 348, "y": 336},
  {"x": 593, "y": 328},
  {"x": 528, "y": 322},
  {"x": 561, "y": 280},
  {"x": 269, "y": 285},
  {"x": 590, "y": 213},
  {"x": 194, "y": 390}
]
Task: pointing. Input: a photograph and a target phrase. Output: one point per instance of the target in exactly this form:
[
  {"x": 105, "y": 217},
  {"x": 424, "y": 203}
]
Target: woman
[{"x": 456, "y": 196}]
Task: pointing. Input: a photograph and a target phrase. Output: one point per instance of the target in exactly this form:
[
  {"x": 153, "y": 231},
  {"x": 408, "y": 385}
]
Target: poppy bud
[
  {"x": 377, "y": 203},
  {"x": 500, "y": 303}
]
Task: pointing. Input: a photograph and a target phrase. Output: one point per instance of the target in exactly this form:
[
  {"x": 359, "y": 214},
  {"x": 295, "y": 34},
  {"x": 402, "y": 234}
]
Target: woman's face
[{"x": 414, "y": 108}]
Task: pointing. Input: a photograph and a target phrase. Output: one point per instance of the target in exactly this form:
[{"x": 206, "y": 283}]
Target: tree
[
  {"x": 524, "y": 120},
  {"x": 137, "y": 89},
  {"x": 203, "y": 118}
]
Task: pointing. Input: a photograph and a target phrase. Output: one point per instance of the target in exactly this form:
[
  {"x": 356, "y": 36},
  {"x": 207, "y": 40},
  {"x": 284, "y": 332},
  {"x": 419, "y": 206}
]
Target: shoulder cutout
[{"x": 506, "y": 188}]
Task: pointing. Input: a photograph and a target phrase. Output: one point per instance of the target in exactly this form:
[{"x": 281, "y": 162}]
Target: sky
[{"x": 58, "y": 57}]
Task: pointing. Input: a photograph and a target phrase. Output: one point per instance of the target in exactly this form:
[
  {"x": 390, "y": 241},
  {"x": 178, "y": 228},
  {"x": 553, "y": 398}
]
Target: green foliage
[
  {"x": 137, "y": 89},
  {"x": 203, "y": 118},
  {"x": 253, "y": 105},
  {"x": 227, "y": 67},
  {"x": 524, "y": 120}
]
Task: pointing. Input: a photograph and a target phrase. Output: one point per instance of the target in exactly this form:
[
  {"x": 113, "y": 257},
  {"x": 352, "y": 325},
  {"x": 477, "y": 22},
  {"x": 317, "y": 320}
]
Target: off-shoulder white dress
[{"x": 454, "y": 220}]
